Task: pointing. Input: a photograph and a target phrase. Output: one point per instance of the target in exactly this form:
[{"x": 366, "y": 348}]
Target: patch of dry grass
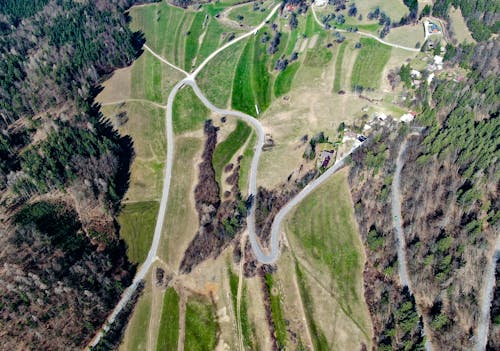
[
  {"x": 146, "y": 126},
  {"x": 459, "y": 27},
  {"x": 181, "y": 220}
]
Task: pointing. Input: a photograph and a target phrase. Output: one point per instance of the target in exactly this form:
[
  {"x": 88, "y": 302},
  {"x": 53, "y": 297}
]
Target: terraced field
[
  {"x": 291, "y": 102},
  {"x": 183, "y": 37},
  {"x": 246, "y": 15},
  {"x": 369, "y": 64},
  {"x": 169, "y": 323}
]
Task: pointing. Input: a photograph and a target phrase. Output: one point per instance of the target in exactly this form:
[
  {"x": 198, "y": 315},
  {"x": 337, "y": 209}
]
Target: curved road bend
[
  {"x": 366, "y": 35},
  {"x": 252, "y": 187},
  {"x": 260, "y": 255},
  {"x": 486, "y": 299},
  {"x": 129, "y": 291}
]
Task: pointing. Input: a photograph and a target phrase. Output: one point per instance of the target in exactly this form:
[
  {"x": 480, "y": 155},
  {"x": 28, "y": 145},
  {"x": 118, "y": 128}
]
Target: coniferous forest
[{"x": 63, "y": 170}]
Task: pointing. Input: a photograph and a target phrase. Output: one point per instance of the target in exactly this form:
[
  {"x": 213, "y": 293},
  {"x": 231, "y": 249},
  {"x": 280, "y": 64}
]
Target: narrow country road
[
  {"x": 152, "y": 254},
  {"x": 486, "y": 299},
  {"x": 366, "y": 35},
  {"x": 235, "y": 40},
  {"x": 141, "y": 274},
  {"x": 275, "y": 234},
  {"x": 165, "y": 61},
  {"x": 398, "y": 227},
  {"x": 396, "y": 215}
]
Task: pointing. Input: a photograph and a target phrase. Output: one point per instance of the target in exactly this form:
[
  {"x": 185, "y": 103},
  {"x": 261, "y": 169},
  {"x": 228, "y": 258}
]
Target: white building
[
  {"x": 320, "y": 3},
  {"x": 407, "y": 117}
]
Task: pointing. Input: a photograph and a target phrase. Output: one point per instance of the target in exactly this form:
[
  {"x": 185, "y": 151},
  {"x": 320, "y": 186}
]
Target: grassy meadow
[
  {"x": 169, "y": 324},
  {"x": 188, "y": 112},
  {"x": 246, "y": 15},
  {"x": 202, "y": 329},
  {"x": 184, "y": 37},
  {"x": 181, "y": 220},
  {"x": 137, "y": 223},
  {"x": 326, "y": 232},
  {"x": 369, "y": 64},
  {"x": 136, "y": 332},
  {"x": 225, "y": 150}
]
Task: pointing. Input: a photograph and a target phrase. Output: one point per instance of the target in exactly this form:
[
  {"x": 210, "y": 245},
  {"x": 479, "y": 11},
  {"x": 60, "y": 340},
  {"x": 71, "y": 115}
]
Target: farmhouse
[{"x": 325, "y": 157}]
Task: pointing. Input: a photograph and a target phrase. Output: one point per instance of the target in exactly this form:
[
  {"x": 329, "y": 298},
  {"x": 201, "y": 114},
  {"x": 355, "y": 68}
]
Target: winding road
[{"x": 261, "y": 256}]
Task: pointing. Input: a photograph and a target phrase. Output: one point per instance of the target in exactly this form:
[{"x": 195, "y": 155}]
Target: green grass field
[
  {"x": 226, "y": 149},
  {"x": 247, "y": 329},
  {"x": 152, "y": 80},
  {"x": 146, "y": 126},
  {"x": 250, "y": 17},
  {"x": 137, "y": 222},
  {"x": 216, "y": 78},
  {"x": 192, "y": 40},
  {"x": 284, "y": 80},
  {"x": 135, "y": 337},
  {"x": 369, "y": 64},
  {"x": 311, "y": 26},
  {"x": 181, "y": 221},
  {"x": 338, "y": 67},
  {"x": 318, "y": 57},
  {"x": 175, "y": 33},
  {"x": 318, "y": 337},
  {"x": 261, "y": 79},
  {"x": 188, "y": 111},
  {"x": 243, "y": 98},
  {"x": 276, "y": 311},
  {"x": 246, "y": 163},
  {"x": 168, "y": 336},
  {"x": 202, "y": 328},
  {"x": 326, "y": 231}
]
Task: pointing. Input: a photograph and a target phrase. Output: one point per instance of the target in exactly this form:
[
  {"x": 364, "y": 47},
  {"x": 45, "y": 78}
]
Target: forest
[
  {"x": 449, "y": 184},
  {"x": 63, "y": 170},
  {"x": 481, "y": 16}
]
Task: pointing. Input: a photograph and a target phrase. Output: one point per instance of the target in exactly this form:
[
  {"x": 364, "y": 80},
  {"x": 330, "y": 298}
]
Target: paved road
[
  {"x": 367, "y": 35},
  {"x": 259, "y": 253},
  {"x": 486, "y": 299},
  {"x": 141, "y": 274},
  {"x": 189, "y": 80},
  {"x": 234, "y": 41},
  {"x": 398, "y": 227}
]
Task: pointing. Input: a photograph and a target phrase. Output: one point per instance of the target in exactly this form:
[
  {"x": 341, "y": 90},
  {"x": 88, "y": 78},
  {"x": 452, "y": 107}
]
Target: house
[
  {"x": 381, "y": 116},
  {"x": 434, "y": 28},
  {"x": 438, "y": 62},
  {"x": 325, "y": 157},
  {"x": 430, "y": 78},
  {"x": 407, "y": 117},
  {"x": 320, "y": 3},
  {"x": 415, "y": 74},
  {"x": 367, "y": 127},
  {"x": 349, "y": 136},
  {"x": 361, "y": 137}
]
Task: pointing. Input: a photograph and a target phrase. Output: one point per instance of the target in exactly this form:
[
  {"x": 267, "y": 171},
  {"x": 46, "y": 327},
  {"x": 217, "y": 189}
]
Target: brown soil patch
[{"x": 117, "y": 87}]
